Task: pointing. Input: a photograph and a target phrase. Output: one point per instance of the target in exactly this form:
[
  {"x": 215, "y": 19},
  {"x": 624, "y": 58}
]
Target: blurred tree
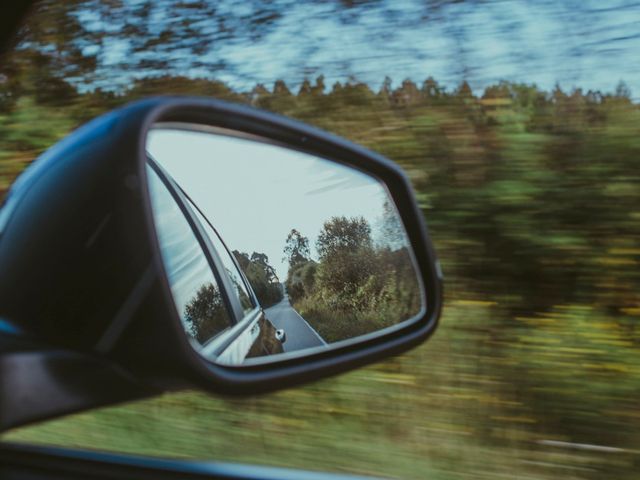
[
  {"x": 10, "y": 87},
  {"x": 386, "y": 89},
  {"x": 464, "y": 90},
  {"x": 623, "y": 90},
  {"x": 407, "y": 94},
  {"x": 258, "y": 93},
  {"x": 55, "y": 51},
  {"x": 181, "y": 85},
  {"x": 431, "y": 90},
  {"x": 305, "y": 88},
  {"x": 280, "y": 88},
  {"x": 318, "y": 88}
]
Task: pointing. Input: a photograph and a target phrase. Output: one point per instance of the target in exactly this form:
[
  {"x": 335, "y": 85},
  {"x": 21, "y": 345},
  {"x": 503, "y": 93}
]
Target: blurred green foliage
[{"x": 533, "y": 201}]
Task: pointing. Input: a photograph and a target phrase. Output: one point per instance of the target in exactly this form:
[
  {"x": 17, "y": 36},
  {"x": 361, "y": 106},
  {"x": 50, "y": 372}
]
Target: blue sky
[
  {"x": 587, "y": 44},
  {"x": 533, "y": 42}
]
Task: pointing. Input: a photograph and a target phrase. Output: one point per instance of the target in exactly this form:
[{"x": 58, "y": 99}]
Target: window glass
[
  {"x": 195, "y": 291},
  {"x": 240, "y": 289}
]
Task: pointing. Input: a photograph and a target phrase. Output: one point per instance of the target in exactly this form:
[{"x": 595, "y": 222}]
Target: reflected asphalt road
[{"x": 299, "y": 333}]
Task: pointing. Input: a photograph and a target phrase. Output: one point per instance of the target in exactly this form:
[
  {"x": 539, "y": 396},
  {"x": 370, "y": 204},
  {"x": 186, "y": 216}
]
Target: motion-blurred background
[{"x": 519, "y": 128}]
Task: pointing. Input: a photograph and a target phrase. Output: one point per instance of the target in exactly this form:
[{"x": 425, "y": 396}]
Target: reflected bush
[{"x": 356, "y": 287}]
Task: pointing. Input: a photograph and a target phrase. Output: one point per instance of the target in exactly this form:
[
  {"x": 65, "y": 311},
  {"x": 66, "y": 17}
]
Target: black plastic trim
[{"x": 38, "y": 383}]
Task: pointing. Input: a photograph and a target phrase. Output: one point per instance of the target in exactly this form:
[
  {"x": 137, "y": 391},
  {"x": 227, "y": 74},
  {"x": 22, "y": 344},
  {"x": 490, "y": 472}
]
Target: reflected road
[{"x": 299, "y": 333}]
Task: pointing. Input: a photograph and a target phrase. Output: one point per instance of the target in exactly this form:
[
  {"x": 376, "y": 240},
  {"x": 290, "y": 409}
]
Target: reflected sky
[{"x": 255, "y": 193}]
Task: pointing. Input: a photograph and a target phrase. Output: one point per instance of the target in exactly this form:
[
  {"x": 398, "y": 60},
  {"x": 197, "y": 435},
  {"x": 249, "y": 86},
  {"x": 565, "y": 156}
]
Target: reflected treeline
[
  {"x": 206, "y": 316},
  {"x": 533, "y": 201},
  {"x": 262, "y": 277},
  {"x": 356, "y": 287}
]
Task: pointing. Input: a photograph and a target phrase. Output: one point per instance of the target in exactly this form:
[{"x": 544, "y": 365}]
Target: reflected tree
[
  {"x": 341, "y": 234},
  {"x": 262, "y": 277},
  {"x": 205, "y": 314},
  {"x": 356, "y": 287},
  {"x": 296, "y": 249}
]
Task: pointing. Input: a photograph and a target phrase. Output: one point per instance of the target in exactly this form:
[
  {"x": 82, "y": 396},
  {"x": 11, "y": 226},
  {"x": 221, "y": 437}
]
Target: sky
[
  {"x": 255, "y": 193},
  {"x": 588, "y": 44}
]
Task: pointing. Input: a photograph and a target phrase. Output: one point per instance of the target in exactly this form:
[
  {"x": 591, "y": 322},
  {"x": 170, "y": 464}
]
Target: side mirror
[{"x": 192, "y": 242}]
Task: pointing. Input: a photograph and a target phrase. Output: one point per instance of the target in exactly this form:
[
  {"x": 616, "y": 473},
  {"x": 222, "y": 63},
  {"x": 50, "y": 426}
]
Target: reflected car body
[
  {"x": 243, "y": 331},
  {"x": 257, "y": 338}
]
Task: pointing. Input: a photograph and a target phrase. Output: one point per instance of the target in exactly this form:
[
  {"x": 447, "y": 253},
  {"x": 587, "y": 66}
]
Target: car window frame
[
  {"x": 231, "y": 302},
  {"x": 211, "y": 275},
  {"x": 238, "y": 270},
  {"x": 240, "y": 321},
  {"x": 220, "y": 343}
]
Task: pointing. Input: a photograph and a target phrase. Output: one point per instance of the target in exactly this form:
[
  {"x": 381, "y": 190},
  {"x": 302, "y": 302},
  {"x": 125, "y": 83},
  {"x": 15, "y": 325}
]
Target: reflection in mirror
[
  {"x": 319, "y": 245},
  {"x": 195, "y": 291}
]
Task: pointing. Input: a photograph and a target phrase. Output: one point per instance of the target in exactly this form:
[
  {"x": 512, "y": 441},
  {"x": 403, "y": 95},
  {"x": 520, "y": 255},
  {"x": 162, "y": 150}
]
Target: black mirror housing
[{"x": 81, "y": 272}]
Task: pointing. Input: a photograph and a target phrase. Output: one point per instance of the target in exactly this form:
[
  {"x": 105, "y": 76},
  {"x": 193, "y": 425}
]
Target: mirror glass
[{"x": 294, "y": 252}]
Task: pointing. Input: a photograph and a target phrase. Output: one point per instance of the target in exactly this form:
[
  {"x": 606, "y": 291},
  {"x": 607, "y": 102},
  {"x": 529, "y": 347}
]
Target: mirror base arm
[{"x": 43, "y": 383}]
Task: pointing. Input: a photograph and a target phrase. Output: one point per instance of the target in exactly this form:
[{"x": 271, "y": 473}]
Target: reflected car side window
[
  {"x": 240, "y": 289},
  {"x": 195, "y": 290}
]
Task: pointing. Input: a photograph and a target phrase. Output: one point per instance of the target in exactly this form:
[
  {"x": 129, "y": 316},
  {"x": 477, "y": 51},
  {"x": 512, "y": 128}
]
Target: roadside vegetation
[
  {"x": 356, "y": 286},
  {"x": 532, "y": 199}
]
